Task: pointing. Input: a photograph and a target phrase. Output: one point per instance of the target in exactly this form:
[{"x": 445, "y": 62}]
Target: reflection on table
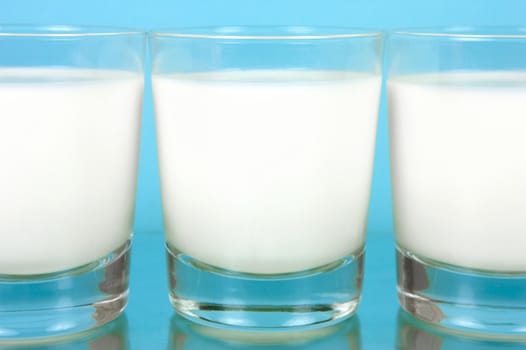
[
  {"x": 112, "y": 336},
  {"x": 185, "y": 335},
  {"x": 417, "y": 335}
]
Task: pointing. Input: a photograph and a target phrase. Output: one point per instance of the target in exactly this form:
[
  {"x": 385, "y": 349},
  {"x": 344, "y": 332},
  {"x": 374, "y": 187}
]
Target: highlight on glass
[
  {"x": 266, "y": 143},
  {"x": 70, "y": 107},
  {"x": 457, "y": 126}
]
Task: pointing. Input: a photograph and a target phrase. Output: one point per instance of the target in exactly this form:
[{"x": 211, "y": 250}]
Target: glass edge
[
  {"x": 193, "y": 33},
  {"x": 461, "y": 32},
  {"x": 67, "y": 30}
]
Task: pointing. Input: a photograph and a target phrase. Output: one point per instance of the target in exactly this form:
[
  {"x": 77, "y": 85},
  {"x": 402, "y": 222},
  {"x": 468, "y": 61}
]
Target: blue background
[
  {"x": 150, "y": 14},
  {"x": 148, "y": 311}
]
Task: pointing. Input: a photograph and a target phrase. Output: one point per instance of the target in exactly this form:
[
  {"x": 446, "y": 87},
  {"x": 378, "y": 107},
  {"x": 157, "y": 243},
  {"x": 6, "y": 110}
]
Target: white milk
[
  {"x": 458, "y": 148},
  {"x": 68, "y": 158},
  {"x": 266, "y": 172}
]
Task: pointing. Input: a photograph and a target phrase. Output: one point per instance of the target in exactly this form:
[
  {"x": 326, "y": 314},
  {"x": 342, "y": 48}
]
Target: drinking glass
[
  {"x": 457, "y": 124},
  {"x": 266, "y": 140},
  {"x": 70, "y": 106}
]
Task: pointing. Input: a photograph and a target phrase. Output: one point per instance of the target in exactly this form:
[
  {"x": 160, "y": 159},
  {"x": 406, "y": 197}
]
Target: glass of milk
[
  {"x": 457, "y": 110},
  {"x": 266, "y": 140},
  {"x": 70, "y": 107}
]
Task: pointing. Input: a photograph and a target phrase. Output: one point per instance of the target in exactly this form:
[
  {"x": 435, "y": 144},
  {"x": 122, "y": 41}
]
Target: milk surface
[
  {"x": 68, "y": 159},
  {"x": 266, "y": 171},
  {"x": 458, "y": 148}
]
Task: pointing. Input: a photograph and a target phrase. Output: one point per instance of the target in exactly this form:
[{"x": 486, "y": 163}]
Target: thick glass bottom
[
  {"x": 413, "y": 334},
  {"x": 66, "y": 302},
  {"x": 222, "y": 298},
  {"x": 468, "y": 301},
  {"x": 186, "y": 335}
]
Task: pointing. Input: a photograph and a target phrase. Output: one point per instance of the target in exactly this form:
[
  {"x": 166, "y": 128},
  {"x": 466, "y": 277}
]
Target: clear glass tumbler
[
  {"x": 457, "y": 108},
  {"x": 70, "y": 106},
  {"x": 266, "y": 140}
]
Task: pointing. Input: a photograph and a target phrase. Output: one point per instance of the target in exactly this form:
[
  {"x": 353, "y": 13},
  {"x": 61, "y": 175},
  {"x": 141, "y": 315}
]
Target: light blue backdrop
[{"x": 150, "y": 14}]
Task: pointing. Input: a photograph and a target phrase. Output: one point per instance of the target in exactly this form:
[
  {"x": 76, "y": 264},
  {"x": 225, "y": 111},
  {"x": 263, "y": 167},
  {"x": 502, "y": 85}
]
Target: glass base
[
  {"x": 468, "y": 301},
  {"x": 228, "y": 299},
  {"x": 186, "y": 335},
  {"x": 413, "y": 334},
  {"x": 66, "y": 302}
]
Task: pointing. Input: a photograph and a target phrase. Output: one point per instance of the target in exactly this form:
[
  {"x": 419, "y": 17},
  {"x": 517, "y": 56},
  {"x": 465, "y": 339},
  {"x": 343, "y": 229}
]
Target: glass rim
[
  {"x": 463, "y": 32},
  {"x": 249, "y": 32},
  {"x": 66, "y": 30}
]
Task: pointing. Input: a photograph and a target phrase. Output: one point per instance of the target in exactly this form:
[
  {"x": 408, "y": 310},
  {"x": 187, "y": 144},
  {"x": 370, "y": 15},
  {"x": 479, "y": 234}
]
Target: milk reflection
[
  {"x": 189, "y": 336},
  {"x": 416, "y": 335},
  {"x": 112, "y": 336}
]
